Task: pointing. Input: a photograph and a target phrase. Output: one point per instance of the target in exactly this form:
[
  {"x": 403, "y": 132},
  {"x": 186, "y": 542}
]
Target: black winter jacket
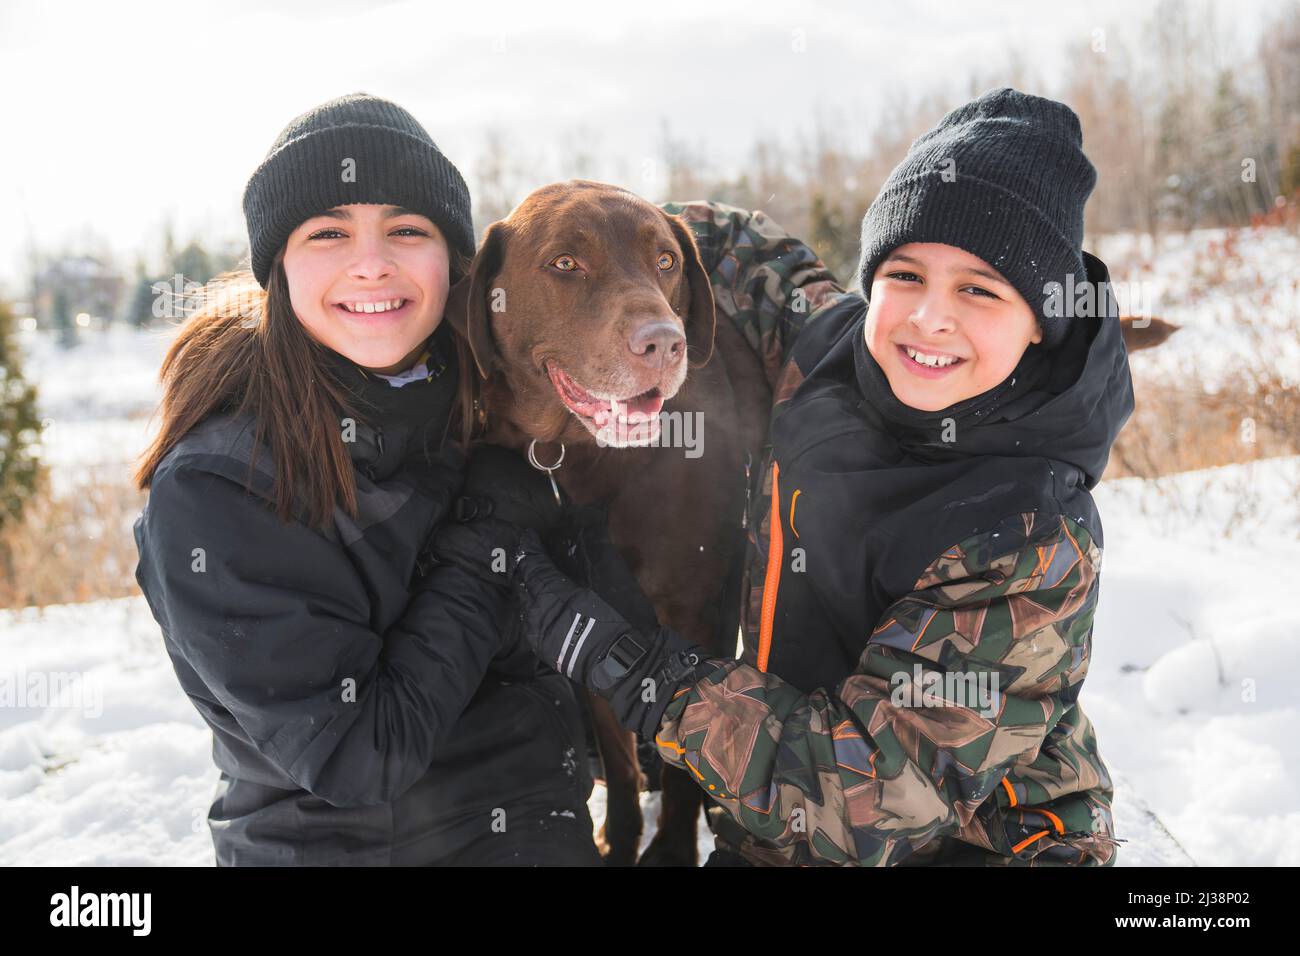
[
  {"x": 361, "y": 713},
  {"x": 885, "y": 488}
]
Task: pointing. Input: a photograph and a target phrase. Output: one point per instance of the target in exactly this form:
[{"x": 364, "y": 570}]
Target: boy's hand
[
  {"x": 583, "y": 551},
  {"x": 575, "y": 631}
]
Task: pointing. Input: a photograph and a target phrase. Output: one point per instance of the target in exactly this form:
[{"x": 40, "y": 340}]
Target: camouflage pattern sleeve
[
  {"x": 962, "y": 709},
  {"x": 765, "y": 280}
]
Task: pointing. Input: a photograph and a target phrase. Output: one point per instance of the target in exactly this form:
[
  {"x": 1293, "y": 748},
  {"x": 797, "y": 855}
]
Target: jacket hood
[{"x": 1067, "y": 405}]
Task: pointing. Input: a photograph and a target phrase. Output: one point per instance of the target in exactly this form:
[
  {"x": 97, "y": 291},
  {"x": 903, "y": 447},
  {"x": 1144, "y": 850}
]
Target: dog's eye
[
  {"x": 565, "y": 263},
  {"x": 666, "y": 261}
]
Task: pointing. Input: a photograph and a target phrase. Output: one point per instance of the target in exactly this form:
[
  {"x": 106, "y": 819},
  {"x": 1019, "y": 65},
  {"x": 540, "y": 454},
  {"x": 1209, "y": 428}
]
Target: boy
[{"x": 927, "y": 553}]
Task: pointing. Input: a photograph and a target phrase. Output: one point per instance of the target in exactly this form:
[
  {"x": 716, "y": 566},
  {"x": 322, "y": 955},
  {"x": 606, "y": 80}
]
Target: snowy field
[
  {"x": 1191, "y": 686},
  {"x": 1223, "y": 296},
  {"x": 118, "y": 770}
]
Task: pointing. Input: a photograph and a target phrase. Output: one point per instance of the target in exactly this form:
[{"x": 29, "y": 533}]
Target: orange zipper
[{"x": 775, "y": 548}]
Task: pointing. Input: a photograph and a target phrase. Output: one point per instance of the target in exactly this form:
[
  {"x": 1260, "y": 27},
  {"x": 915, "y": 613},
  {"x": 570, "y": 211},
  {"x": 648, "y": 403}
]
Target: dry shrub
[
  {"x": 72, "y": 545},
  {"x": 1178, "y": 426},
  {"x": 1222, "y": 409}
]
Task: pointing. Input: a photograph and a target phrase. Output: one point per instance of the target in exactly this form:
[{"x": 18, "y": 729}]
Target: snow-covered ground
[
  {"x": 1191, "y": 689},
  {"x": 1191, "y": 686}
]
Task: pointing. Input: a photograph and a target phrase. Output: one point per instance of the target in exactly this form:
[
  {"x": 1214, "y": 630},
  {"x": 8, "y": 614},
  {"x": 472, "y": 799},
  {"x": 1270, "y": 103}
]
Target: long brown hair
[{"x": 244, "y": 349}]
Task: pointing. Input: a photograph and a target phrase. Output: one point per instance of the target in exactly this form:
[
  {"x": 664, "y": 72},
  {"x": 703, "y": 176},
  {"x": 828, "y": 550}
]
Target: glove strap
[
  {"x": 678, "y": 668},
  {"x": 614, "y": 666},
  {"x": 627, "y": 652},
  {"x": 680, "y": 664}
]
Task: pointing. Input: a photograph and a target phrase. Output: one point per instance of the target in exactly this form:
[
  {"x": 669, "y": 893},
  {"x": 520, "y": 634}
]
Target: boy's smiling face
[{"x": 951, "y": 310}]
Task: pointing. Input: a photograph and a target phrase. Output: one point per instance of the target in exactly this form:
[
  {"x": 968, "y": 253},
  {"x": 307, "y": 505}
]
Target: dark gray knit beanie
[
  {"x": 394, "y": 162},
  {"x": 1004, "y": 178}
]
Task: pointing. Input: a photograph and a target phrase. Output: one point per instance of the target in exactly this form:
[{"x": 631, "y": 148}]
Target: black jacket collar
[{"x": 411, "y": 423}]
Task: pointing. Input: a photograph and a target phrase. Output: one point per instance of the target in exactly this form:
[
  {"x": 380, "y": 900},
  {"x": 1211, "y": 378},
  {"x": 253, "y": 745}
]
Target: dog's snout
[{"x": 658, "y": 344}]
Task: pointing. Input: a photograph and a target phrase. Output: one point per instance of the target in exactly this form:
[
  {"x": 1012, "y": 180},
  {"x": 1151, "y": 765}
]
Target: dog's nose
[{"x": 658, "y": 344}]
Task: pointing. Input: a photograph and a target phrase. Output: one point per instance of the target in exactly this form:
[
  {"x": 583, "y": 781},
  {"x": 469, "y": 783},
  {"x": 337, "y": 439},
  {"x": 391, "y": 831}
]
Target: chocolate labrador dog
[{"x": 591, "y": 320}]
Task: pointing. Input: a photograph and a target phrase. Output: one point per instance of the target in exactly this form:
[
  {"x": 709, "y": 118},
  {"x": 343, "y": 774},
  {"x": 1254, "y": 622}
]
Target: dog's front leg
[{"x": 619, "y": 836}]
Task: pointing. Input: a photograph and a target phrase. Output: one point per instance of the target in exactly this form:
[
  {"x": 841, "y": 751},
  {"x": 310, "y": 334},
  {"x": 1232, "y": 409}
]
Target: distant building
[{"x": 87, "y": 286}]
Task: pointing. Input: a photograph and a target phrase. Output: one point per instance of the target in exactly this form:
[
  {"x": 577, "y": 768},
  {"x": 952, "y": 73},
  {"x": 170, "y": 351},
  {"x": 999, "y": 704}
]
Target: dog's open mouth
[{"x": 614, "y": 421}]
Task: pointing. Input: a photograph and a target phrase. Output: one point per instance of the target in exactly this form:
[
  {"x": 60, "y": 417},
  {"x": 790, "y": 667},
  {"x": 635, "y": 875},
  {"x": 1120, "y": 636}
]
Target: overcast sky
[{"x": 116, "y": 117}]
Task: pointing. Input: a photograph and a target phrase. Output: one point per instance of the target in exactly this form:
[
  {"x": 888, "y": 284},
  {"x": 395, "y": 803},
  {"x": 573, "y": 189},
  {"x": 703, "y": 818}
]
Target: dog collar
[{"x": 532, "y": 460}]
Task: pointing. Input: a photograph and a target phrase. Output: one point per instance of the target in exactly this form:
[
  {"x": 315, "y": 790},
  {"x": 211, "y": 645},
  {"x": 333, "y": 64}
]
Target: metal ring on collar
[{"x": 532, "y": 457}]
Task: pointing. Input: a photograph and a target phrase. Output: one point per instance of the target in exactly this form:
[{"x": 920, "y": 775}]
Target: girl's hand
[
  {"x": 485, "y": 547},
  {"x": 501, "y": 484}
]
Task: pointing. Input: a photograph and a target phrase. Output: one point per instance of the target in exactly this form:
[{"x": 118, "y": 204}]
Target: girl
[
  {"x": 927, "y": 558},
  {"x": 365, "y": 707}
]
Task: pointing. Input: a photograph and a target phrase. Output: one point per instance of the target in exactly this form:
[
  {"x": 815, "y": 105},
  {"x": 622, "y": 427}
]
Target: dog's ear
[
  {"x": 467, "y": 302},
  {"x": 703, "y": 317}
]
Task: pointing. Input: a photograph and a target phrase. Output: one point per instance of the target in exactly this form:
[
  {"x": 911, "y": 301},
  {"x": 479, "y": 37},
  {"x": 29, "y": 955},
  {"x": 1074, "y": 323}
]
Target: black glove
[
  {"x": 485, "y": 547},
  {"x": 583, "y": 551},
  {"x": 579, "y": 634},
  {"x": 573, "y": 629},
  {"x": 499, "y": 483},
  {"x": 580, "y": 547}
]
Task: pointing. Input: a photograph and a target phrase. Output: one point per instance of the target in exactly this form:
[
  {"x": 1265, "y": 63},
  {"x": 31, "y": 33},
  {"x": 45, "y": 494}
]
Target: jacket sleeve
[
  {"x": 765, "y": 280},
  {"x": 886, "y": 762},
  {"x": 273, "y": 618}
]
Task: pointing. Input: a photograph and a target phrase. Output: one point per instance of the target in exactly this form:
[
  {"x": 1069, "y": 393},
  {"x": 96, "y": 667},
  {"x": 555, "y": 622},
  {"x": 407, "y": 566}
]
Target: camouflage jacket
[{"x": 899, "y": 757}]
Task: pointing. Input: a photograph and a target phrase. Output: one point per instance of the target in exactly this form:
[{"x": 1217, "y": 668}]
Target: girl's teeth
[
  {"x": 368, "y": 307},
  {"x": 933, "y": 361}
]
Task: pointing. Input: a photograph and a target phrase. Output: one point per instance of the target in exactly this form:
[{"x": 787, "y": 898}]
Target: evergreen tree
[
  {"x": 62, "y": 316},
  {"x": 139, "y": 313},
  {"x": 20, "y": 428},
  {"x": 831, "y": 236},
  {"x": 193, "y": 264}
]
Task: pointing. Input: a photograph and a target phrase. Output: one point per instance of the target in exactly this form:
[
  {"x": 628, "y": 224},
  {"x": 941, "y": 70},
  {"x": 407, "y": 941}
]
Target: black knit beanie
[
  {"x": 1004, "y": 178},
  {"x": 354, "y": 149}
]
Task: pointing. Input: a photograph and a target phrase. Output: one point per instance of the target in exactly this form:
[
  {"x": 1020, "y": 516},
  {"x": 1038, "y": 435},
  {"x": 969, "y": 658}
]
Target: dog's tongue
[
  {"x": 634, "y": 410},
  {"x": 647, "y": 405}
]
